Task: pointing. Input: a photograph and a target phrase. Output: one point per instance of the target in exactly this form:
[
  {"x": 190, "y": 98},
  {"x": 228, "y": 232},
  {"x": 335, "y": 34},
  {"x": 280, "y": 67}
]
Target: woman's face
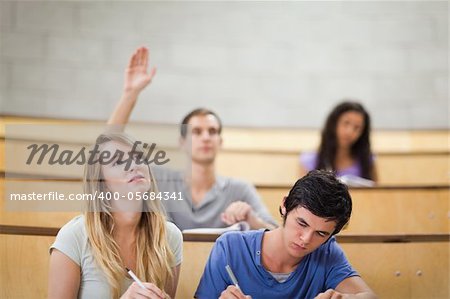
[
  {"x": 349, "y": 128},
  {"x": 117, "y": 177}
]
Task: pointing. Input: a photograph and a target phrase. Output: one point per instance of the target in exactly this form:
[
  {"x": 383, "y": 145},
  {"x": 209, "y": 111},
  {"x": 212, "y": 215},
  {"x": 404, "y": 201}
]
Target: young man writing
[{"x": 300, "y": 259}]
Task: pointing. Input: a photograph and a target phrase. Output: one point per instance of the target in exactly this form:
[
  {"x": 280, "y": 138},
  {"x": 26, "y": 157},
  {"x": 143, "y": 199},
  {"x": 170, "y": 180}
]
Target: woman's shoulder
[
  {"x": 173, "y": 232},
  {"x": 175, "y": 240},
  {"x": 72, "y": 239},
  {"x": 75, "y": 225}
]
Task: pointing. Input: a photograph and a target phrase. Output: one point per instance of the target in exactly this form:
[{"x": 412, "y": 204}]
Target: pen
[
  {"x": 231, "y": 274},
  {"x": 135, "y": 278}
]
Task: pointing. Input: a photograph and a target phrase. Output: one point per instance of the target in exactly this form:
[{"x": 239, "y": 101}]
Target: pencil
[
  {"x": 231, "y": 274},
  {"x": 135, "y": 278}
]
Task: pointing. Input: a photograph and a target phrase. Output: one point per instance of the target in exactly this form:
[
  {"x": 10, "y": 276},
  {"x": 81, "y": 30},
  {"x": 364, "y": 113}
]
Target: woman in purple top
[{"x": 345, "y": 144}]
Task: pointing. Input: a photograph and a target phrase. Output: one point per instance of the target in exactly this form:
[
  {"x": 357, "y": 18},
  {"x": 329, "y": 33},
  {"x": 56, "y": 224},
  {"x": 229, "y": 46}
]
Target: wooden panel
[
  {"x": 195, "y": 255},
  {"x": 260, "y": 168},
  {"x": 399, "y": 211},
  {"x": 25, "y": 263},
  {"x": 272, "y": 198},
  {"x": 429, "y": 270},
  {"x": 413, "y": 169},
  {"x": 26, "y": 259},
  {"x": 375, "y": 211},
  {"x": 274, "y": 169},
  {"x": 291, "y": 140},
  {"x": 382, "y": 266},
  {"x": 389, "y": 268},
  {"x": 34, "y": 218},
  {"x": 445, "y": 196},
  {"x": 2, "y": 155}
]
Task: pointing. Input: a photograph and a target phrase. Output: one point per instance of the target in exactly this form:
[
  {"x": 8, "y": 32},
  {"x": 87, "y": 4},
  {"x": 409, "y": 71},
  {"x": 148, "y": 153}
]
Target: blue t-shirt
[{"x": 322, "y": 269}]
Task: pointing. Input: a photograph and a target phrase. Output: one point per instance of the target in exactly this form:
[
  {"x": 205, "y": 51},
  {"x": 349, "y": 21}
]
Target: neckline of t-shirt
[{"x": 259, "y": 255}]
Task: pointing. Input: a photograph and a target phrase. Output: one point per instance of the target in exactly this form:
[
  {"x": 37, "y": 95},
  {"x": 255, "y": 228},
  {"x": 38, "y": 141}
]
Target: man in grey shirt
[{"x": 208, "y": 200}]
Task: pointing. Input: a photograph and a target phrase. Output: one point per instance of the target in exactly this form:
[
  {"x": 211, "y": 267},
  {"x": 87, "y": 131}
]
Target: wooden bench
[
  {"x": 400, "y": 209},
  {"x": 265, "y": 157},
  {"x": 406, "y": 258},
  {"x": 379, "y": 210},
  {"x": 395, "y": 266}
]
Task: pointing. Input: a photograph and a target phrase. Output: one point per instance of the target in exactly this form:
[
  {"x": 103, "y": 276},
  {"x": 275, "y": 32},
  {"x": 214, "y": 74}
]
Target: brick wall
[{"x": 255, "y": 63}]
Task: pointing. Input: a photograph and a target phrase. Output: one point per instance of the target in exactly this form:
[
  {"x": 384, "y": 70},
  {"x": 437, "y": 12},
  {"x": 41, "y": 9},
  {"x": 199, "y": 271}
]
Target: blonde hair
[{"x": 153, "y": 254}]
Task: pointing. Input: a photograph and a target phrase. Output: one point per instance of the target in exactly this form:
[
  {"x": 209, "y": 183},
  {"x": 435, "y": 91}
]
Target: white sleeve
[{"x": 70, "y": 240}]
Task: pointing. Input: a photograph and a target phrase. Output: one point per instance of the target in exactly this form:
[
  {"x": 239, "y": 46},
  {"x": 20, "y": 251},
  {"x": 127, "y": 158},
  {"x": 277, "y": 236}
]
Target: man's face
[
  {"x": 203, "y": 132},
  {"x": 304, "y": 232}
]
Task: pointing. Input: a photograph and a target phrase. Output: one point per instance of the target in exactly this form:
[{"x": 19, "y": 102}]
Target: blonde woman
[{"x": 91, "y": 253}]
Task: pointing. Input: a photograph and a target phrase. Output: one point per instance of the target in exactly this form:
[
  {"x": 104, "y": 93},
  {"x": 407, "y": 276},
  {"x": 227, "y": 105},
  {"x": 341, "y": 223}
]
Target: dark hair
[
  {"x": 360, "y": 150},
  {"x": 196, "y": 112},
  {"x": 321, "y": 193}
]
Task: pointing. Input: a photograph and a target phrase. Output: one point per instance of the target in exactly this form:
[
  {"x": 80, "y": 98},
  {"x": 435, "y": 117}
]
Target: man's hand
[
  {"x": 236, "y": 212},
  {"x": 232, "y": 292},
  {"x": 136, "y": 77},
  {"x": 331, "y": 294}
]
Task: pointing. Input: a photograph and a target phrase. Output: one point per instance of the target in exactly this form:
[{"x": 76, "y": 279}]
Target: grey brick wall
[{"x": 267, "y": 64}]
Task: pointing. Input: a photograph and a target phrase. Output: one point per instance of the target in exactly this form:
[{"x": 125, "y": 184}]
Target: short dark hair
[
  {"x": 196, "y": 112},
  {"x": 321, "y": 193}
]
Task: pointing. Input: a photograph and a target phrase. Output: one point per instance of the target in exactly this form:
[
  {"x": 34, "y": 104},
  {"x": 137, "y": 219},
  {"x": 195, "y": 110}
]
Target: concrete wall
[{"x": 263, "y": 64}]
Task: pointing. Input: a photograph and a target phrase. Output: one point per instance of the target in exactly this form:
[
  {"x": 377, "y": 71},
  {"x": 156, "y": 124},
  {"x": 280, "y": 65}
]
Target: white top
[{"x": 72, "y": 240}]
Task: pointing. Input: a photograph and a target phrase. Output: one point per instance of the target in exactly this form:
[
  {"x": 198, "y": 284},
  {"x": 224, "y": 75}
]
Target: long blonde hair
[{"x": 153, "y": 254}]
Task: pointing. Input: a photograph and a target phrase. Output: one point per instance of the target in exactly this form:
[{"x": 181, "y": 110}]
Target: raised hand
[{"x": 136, "y": 76}]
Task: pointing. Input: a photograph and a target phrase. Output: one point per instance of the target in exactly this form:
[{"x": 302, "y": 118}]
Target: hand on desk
[
  {"x": 331, "y": 294},
  {"x": 236, "y": 212}
]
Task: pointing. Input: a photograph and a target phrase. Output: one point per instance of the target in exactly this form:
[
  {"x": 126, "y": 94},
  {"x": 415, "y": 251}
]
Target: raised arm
[{"x": 136, "y": 79}]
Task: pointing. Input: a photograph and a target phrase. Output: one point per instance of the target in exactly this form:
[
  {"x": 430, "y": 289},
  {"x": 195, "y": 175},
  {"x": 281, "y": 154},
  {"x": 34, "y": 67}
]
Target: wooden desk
[
  {"x": 379, "y": 210},
  {"x": 395, "y": 266}
]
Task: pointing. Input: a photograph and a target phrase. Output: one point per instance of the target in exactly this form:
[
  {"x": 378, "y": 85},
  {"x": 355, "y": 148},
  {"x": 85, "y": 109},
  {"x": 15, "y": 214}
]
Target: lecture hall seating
[{"x": 398, "y": 237}]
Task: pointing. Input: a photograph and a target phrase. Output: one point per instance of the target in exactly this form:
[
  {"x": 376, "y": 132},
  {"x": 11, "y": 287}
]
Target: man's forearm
[
  {"x": 256, "y": 222},
  {"x": 123, "y": 109}
]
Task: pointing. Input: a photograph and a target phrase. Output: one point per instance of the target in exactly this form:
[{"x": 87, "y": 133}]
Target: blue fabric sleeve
[
  {"x": 339, "y": 266},
  {"x": 214, "y": 279}
]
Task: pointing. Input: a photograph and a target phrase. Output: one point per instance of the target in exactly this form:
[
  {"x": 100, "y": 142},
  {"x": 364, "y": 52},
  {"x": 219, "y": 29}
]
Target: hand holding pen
[
  {"x": 233, "y": 291},
  {"x": 139, "y": 289}
]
